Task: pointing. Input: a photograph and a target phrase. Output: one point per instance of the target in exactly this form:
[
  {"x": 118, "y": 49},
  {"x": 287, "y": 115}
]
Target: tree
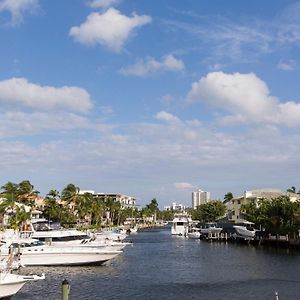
[
  {"x": 19, "y": 217},
  {"x": 52, "y": 209},
  {"x": 9, "y": 188},
  {"x": 209, "y": 212},
  {"x": 278, "y": 216},
  {"x": 153, "y": 208},
  {"x": 70, "y": 195},
  {"x": 97, "y": 209},
  {"x": 83, "y": 205},
  {"x": 153, "y": 205},
  {"x": 228, "y": 196},
  {"x": 166, "y": 215}
]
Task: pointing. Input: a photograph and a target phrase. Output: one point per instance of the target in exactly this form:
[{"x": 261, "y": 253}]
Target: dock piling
[{"x": 65, "y": 290}]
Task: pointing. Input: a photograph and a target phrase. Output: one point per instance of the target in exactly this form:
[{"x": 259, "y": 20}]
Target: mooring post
[
  {"x": 276, "y": 295},
  {"x": 65, "y": 290}
]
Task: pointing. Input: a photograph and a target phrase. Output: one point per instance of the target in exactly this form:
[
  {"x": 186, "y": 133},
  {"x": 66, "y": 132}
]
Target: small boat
[
  {"x": 244, "y": 232},
  {"x": 194, "y": 233},
  {"x": 211, "y": 229}
]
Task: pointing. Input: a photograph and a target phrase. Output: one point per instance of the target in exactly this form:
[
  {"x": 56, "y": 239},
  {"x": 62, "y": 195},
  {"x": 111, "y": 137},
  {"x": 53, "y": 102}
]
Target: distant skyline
[{"x": 153, "y": 99}]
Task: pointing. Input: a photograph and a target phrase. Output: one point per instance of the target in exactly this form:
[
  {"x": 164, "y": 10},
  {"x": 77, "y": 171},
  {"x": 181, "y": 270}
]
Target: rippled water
[{"x": 161, "y": 266}]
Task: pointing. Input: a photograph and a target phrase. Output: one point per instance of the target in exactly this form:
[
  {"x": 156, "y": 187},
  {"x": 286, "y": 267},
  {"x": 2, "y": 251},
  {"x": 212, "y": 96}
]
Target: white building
[
  {"x": 126, "y": 201},
  {"x": 175, "y": 206},
  {"x": 200, "y": 197},
  {"x": 233, "y": 206}
]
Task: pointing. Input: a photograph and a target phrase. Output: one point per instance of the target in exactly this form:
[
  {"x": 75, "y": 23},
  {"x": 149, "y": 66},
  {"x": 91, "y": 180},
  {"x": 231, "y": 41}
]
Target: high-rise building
[{"x": 200, "y": 197}]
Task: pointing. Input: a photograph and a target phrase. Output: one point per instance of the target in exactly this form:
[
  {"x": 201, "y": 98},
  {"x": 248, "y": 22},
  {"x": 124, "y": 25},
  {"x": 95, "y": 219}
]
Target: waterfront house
[{"x": 233, "y": 206}]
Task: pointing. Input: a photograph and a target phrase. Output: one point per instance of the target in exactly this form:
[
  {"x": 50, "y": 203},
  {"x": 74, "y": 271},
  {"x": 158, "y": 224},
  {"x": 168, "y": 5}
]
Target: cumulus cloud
[
  {"x": 18, "y": 8},
  {"x": 246, "y": 97},
  {"x": 183, "y": 186},
  {"x": 110, "y": 29},
  {"x": 103, "y": 3},
  {"x": 21, "y": 91},
  {"x": 151, "y": 65},
  {"x": 165, "y": 116}
]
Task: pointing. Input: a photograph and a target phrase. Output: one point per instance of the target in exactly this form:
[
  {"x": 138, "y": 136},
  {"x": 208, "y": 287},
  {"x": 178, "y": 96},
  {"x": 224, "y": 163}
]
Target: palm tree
[
  {"x": 26, "y": 192},
  {"x": 113, "y": 208},
  {"x": 9, "y": 195},
  {"x": 83, "y": 204},
  {"x": 69, "y": 194},
  {"x": 53, "y": 194},
  {"x": 9, "y": 188},
  {"x": 97, "y": 209},
  {"x": 19, "y": 218}
]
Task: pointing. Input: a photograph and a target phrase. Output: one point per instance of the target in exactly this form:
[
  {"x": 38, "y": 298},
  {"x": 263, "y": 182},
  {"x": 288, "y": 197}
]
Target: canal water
[{"x": 161, "y": 266}]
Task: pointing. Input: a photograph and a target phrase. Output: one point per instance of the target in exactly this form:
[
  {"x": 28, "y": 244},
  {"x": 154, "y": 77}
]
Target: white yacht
[
  {"x": 11, "y": 283},
  {"x": 53, "y": 234},
  {"x": 32, "y": 252},
  {"x": 181, "y": 224}
]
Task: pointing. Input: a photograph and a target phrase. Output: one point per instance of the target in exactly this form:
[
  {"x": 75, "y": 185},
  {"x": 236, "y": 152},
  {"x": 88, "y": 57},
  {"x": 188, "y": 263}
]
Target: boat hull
[
  {"x": 66, "y": 259},
  {"x": 194, "y": 235},
  {"x": 10, "y": 289},
  {"x": 243, "y": 232}
]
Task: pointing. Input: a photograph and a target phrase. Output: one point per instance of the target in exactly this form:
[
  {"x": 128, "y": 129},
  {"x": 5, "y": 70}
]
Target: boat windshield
[
  {"x": 27, "y": 244},
  {"x": 180, "y": 223},
  {"x": 46, "y": 226}
]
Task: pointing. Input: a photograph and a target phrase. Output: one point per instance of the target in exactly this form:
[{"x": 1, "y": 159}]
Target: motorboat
[
  {"x": 11, "y": 283},
  {"x": 210, "y": 228},
  {"x": 194, "y": 233},
  {"x": 32, "y": 252},
  {"x": 181, "y": 223},
  {"x": 53, "y": 234},
  {"x": 244, "y": 232},
  {"x": 112, "y": 235}
]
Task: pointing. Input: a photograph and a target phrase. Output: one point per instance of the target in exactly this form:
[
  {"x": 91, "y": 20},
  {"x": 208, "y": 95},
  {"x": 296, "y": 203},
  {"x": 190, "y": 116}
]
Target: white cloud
[
  {"x": 110, "y": 29},
  {"x": 246, "y": 97},
  {"x": 183, "y": 186},
  {"x": 21, "y": 91},
  {"x": 165, "y": 116},
  {"x": 151, "y": 65},
  {"x": 103, "y": 3},
  {"x": 18, "y": 8},
  {"x": 289, "y": 65},
  {"x": 224, "y": 39},
  {"x": 287, "y": 25},
  {"x": 18, "y": 123},
  {"x": 151, "y": 155},
  {"x": 25, "y": 124}
]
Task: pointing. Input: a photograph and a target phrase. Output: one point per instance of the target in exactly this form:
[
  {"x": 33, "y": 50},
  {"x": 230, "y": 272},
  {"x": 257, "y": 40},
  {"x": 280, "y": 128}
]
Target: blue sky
[{"x": 150, "y": 98}]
